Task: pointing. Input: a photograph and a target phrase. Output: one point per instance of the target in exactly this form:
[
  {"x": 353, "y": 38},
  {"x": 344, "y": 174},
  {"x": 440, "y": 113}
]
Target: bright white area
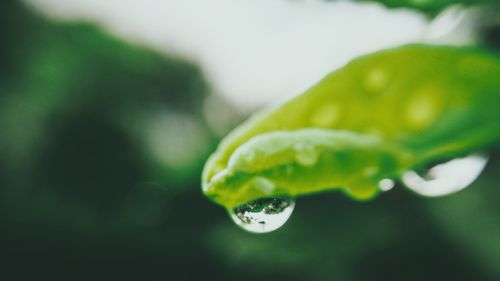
[
  {"x": 448, "y": 177},
  {"x": 256, "y": 51}
]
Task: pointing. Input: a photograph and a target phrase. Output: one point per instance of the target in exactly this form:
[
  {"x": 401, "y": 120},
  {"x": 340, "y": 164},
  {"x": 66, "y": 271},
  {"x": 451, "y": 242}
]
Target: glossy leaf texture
[{"x": 375, "y": 118}]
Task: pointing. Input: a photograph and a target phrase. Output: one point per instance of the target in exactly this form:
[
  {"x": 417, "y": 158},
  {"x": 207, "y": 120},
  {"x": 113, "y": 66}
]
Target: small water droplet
[
  {"x": 264, "y": 185},
  {"x": 362, "y": 191},
  {"x": 305, "y": 154},
  {"x": 422, "y": 108},
  {"x": 446, "y": 178},
  {"x": 376, "y": 80},
  {"x": 386, "y": 184},
  {"x": 263, "y": 215},
  {"x": 370, "y": 171},
  {"x": 326, "y": 116}
]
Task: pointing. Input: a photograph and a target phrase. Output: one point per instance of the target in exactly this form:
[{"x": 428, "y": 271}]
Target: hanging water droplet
[
  {"x": 263, "y": 215},
  {"x": 386, "y": 184},
  {"x": 446, "y": 178},
  {"x": 305, "y": 154}
]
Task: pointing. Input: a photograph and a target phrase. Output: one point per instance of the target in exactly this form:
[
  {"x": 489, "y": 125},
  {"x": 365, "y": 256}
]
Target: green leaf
[
  {"x": 432, "y": 7},
  {"x": 377, "y": 117}
]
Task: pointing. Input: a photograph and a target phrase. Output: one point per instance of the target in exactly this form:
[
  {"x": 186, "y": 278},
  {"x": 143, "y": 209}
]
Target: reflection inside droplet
[
  {"x": 446, "y": 178},
  {"x": 263, "y": 215}
]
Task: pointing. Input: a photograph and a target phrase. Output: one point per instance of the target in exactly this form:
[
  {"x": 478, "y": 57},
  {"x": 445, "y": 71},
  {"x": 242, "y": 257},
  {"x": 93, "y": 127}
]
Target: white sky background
[{"x": 258, "y": 51}]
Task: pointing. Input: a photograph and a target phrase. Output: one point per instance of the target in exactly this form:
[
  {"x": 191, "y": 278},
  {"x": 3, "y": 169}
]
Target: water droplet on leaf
[
  {"x": 305, "y": 154},
  {"x": 376, "y": 80},
  {"x": 263, "y": 215},
  {"x": 370, "y": 171},
  {"x": 326, "y": 116},
  {"x": 423, "y": 108},
  {"x": 362, "y": 191},
  {"x": 446, "y": 178},
  {"x": 264, "y": 185}
]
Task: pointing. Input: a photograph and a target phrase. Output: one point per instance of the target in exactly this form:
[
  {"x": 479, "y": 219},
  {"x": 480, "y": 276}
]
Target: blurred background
[{"x": 109, "y": 109}]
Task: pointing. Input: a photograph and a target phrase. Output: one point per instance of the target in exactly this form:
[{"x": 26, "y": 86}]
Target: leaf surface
[{"x": 375, "y": 118}]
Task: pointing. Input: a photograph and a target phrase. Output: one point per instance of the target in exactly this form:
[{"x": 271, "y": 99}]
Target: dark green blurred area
[{"x": 89, "y": 193}]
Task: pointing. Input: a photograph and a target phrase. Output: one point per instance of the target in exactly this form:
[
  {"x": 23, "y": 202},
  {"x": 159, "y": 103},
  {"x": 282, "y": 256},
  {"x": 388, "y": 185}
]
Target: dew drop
[
  {"x": 370, "y": 171},
  {"x": 423, "y": 108},
  {"x": 326, "y": 116},
  {"x": 263, "y": 215},
  {"x": 305, "y": 154},
  {"x": 446, "y": 178},
  {"x": 386, "y": 184},
  {"x": 264, "y": 185},
  {"x": 376, "y": 80}
]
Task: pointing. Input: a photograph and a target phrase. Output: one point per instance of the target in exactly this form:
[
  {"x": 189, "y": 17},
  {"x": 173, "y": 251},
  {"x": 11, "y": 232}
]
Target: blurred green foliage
[
  {"x": 433, "y": 7},
  {"x": 71, "y": 93},
  {"x": 83, "y": 196}
]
